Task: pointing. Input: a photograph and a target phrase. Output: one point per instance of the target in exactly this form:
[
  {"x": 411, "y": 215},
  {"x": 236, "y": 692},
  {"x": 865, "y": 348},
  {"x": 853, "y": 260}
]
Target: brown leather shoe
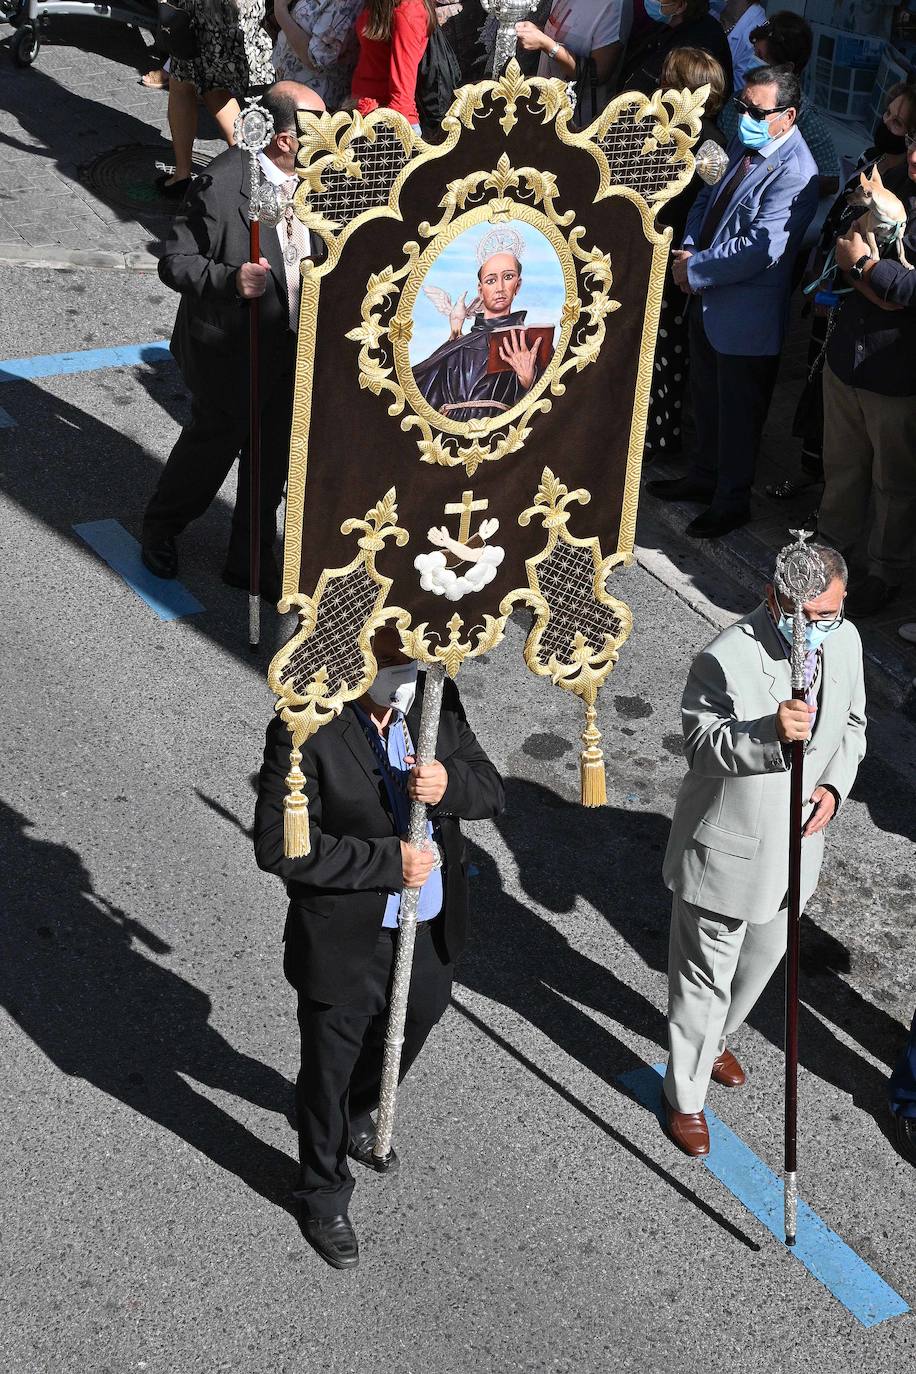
[
  {"x": 688, "y": 1130},
  {"x": 727, "y": 1071}
]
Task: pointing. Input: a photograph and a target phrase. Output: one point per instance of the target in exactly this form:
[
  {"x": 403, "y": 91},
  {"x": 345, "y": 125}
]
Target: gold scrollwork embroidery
[
  {"x": 579, "y": 627},
  {"x": 329, "y": 659}
]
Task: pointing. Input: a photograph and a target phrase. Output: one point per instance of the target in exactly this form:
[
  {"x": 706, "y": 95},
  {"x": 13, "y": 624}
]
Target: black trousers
[
  {"x": 342, "y": 1050},
  {"x": 731, "y": 397},
  {"x": 203, "y": 454}
]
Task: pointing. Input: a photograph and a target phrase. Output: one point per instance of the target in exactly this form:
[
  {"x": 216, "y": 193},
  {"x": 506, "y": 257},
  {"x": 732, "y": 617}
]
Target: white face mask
[{"x": 395, "y": 686}]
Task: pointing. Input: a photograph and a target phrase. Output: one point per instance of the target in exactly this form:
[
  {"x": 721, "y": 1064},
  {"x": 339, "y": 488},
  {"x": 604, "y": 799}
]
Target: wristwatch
[
  {"x": 553, "y": 52},
  {"x": 857, "y": 271}
]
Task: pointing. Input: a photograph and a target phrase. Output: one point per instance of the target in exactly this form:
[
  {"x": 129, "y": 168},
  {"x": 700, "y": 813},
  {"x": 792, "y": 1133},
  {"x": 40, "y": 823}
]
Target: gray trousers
[
  {"x": 717, "y": 969},
  {"x": 870, "y": 450}
]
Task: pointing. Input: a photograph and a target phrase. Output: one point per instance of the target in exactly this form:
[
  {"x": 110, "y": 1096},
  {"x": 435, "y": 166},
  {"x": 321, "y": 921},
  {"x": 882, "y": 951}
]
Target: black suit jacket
[
  {"x": 208, "y": 243},
  {"x": 338, "y": 892}
]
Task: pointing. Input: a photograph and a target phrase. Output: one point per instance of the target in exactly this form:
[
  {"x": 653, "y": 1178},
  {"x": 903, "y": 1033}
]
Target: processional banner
[{"x": 474, "y": 366}]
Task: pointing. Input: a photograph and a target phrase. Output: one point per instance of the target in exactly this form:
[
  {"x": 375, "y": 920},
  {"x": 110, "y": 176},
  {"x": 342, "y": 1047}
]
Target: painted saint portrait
[{"x": 486, "y": 321}]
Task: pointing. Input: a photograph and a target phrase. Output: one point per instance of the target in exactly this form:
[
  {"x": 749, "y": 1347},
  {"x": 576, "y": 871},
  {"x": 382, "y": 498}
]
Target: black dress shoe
[
  {"x": 360, "y": 1149},
  {"x": 869, "y": 596},
  {"x": 334, "y": 1240},
  {"x": 905, "y": 1136},
  {"x": 712, "y": 523},
  {"x": 680, "y": 489},
  {"x": 160, "y": 556},
  {"x": 271, "y": 581}
]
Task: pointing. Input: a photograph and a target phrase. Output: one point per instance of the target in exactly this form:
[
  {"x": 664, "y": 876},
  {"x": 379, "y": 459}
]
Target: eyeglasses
[
  {"x": 755, "y": 112},
  {"x": 761, "y": 31},
  {"x": 834, "y": 623}
]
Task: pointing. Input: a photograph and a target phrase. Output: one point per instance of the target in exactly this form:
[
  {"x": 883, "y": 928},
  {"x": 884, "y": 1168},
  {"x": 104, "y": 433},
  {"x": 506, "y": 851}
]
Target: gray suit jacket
[{"x": 729, "y": 845}]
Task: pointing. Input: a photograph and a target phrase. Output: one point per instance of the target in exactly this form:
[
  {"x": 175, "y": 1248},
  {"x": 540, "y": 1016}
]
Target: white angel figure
[{"x": 457, "y": 311}]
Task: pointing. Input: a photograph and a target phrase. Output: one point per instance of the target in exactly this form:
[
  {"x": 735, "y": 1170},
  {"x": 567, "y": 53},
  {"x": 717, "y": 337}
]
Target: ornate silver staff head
[
  {"x": 711, "y": 162},
  {"x": 272, "y": 203},
  {"x": 800, "y": 576},
  {"x": 253, "y": 130},
  {"x": 498, "y": 33}
]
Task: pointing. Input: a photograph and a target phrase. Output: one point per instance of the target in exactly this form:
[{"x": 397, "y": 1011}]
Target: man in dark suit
[
  {"x": 206, "y": 260},
  {"x": 342, "y": 923}
]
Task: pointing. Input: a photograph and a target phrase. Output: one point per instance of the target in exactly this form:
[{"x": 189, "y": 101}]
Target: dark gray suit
[{"x": 209, "y": 242}]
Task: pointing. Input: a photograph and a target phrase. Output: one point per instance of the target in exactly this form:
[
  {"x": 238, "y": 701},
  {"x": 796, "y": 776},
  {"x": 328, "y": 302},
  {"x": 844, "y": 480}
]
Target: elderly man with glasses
[
  {"x": 739, "y": 248},
  {"x": 727, "y": 860}
]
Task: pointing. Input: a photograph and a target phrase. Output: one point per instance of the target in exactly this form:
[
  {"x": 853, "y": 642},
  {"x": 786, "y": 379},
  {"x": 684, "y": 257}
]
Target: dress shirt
[{"x": 395, "y": 748}]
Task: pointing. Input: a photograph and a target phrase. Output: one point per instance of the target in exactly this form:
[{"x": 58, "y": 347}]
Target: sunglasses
[{"x": 755, "y": 112}]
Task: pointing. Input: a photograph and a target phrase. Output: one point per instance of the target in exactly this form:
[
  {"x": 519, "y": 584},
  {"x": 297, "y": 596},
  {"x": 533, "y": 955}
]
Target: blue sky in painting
[{"x": 455, "y": 270}]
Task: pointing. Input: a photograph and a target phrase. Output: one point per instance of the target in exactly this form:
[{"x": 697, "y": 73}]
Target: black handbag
[
  {"x": 438, "y": 77},
  {"x": 176, "y": 35}
]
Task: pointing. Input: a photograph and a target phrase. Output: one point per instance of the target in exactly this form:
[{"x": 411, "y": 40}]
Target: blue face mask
[
  {"x": 654, "y": 11},
  {"x": 754, "y": 133},
  {"x": 814, "y": 634}
]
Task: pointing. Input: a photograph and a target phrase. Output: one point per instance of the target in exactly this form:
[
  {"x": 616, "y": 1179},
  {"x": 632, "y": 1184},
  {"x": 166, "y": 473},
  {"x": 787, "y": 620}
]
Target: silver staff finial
[
  {"x": 800, "y": 576},
  {"x": 800, "y": 572},
  {"x": 253, "y": 130}
]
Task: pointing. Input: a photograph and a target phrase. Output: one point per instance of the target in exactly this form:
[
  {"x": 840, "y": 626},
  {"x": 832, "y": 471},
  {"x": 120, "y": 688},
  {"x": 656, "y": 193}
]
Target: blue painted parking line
[
  {"x": 6, "y": 420},
  {"x": 853, "y": 1282},
  {"x": 110, "y": 540},
  {"x": 83, "y": 360}
]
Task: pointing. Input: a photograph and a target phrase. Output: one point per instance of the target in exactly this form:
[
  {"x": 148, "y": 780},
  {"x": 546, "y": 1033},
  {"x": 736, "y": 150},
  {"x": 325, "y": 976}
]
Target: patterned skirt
[{"x": 234, "y": 50}]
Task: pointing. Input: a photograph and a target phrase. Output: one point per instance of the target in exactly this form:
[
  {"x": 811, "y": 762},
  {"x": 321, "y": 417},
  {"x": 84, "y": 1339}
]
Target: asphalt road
[{"x": 541, "y": 1221}]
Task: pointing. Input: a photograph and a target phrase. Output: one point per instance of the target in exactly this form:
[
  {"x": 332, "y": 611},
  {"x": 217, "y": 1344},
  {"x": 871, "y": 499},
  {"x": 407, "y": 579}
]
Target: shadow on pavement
[
  {"x": 612, "y": 859},
  {"x": 605, "y": 1126},
  {"x": 67, "y": 467},
  {"x": 77, "y": 977}
]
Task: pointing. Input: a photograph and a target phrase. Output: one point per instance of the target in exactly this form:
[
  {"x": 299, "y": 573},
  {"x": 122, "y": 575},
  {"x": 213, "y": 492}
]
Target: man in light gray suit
[{"x": 728, "y": 853}]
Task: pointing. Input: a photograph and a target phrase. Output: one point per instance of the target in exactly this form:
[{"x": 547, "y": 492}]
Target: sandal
[{"x": 171, "y": 190}]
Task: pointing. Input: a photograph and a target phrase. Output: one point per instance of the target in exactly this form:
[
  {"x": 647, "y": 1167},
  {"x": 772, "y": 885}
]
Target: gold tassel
[
  {"x": 296, "y": 842},
  {"x": 591, "y": 761}
]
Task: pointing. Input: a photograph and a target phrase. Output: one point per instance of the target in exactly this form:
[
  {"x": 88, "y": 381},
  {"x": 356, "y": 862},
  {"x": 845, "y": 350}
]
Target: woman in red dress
[{"x": 392, "y": 40}]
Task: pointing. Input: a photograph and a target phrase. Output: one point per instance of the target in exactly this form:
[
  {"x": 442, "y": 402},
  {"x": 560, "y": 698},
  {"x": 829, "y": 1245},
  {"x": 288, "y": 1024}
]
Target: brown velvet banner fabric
[{"x": 475, "y": 356}]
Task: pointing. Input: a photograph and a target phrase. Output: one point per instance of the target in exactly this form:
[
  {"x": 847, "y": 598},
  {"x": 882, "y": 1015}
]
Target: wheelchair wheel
[{"x": 25, "y": 44}]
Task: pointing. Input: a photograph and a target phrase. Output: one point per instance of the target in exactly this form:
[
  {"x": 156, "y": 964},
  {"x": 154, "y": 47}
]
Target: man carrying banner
[
  {"x": 727, "y": 856},
  {"x": 342, "y": 923}
]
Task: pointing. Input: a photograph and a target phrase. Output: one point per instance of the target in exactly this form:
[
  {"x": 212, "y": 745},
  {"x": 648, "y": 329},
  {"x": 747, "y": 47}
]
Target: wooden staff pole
[
  {"x": 254, "y": 449},
  {"x": 800, "y": 576},
  {"x": 254, "y": 130}
]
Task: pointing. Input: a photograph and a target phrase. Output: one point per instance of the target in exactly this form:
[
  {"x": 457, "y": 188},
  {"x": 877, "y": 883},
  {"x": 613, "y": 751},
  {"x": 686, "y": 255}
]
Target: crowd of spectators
[{"x": 739, "y": 247}]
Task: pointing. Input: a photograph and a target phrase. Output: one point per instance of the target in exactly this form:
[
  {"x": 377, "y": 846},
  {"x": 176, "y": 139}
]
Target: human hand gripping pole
[
  {"x": 800, "y": 576},
  {"x": 407, "y": 924},
  {"x": 253, "y": 131}
]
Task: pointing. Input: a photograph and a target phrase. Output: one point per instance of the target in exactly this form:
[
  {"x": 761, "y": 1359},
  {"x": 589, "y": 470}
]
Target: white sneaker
[{"x": 908, "y": 632}]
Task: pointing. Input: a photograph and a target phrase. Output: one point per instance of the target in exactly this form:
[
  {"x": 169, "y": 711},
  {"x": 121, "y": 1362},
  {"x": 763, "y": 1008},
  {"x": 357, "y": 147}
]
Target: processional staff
[
  {"x": 407, "y": 923},
  {"x": 254, "y": 129},
  {"x": 800, "y": 577}
]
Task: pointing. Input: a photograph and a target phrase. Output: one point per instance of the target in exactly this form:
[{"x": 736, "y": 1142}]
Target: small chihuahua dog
[{"x": 883, "y": 217}]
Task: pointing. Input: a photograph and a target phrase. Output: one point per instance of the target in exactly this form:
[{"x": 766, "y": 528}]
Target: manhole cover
[{"x": 126, "y": 177}]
